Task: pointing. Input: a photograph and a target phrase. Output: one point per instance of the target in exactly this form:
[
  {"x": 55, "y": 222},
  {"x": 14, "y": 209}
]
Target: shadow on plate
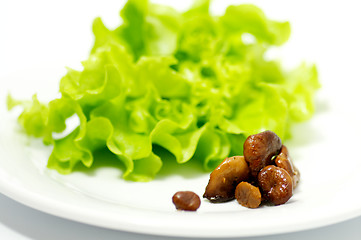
[{"x": 103, "y": 158}]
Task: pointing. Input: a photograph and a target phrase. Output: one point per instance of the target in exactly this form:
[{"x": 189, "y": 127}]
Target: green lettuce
[{"x": 187, "y": 82}]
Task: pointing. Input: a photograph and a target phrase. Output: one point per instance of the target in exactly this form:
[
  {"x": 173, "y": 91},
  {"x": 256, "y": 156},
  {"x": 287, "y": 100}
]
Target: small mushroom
[
  {"x": 186, "y": 200},
  {"x": 224, "y": 179},
  {"x": 259, "y": 149},
  {"x": 276, "y": 184},
  {"x": 248, "y": 195},
  {"x": 284, "y": 161}
]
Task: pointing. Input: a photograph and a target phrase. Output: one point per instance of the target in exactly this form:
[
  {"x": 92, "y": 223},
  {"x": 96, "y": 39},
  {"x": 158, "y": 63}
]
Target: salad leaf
[
  {"x": 251, "y": 19},
  {"x": 187, "y": 82}
]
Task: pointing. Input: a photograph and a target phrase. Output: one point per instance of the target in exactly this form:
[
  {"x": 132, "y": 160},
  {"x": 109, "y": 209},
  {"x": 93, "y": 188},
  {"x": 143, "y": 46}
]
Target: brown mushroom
[
  {"x": 259, "y": 149},
  {"x": 284, "y": 161},
  {"x": 224, "y": 179},
  {"x": 186, "y": 200},
  {"x": 276, "y": 184},
  {"x": 248, "y": 195}
]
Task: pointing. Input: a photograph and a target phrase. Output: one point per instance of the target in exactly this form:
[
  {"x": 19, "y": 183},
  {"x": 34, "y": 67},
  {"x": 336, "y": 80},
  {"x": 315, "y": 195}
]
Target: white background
[{"x": 59, "y": 33}]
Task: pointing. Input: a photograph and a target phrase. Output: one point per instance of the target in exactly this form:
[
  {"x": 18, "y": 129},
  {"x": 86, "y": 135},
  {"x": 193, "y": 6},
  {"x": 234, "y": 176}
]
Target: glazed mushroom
[
  {"x": 276, "y": 184},
  {"x": 284, "y": 161},
  {"x": 248, "y": 195},
  {"x": 186, "y": 201},
  {"x": 259, "y": 149},
  {"x": 224, "y": 179}
]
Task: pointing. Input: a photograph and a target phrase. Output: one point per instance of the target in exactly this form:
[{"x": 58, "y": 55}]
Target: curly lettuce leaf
[
  {"x": 148, "y": 29},
  {"x": 247, "y": 18},
  {"x": 188, "y": 83},
  {"x": 34, "y": 116}
]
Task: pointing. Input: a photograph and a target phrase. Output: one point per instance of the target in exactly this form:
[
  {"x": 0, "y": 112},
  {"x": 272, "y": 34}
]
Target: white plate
[
  {"x": 324, "y": 149},
  {"x": 327, "y": 193}
]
